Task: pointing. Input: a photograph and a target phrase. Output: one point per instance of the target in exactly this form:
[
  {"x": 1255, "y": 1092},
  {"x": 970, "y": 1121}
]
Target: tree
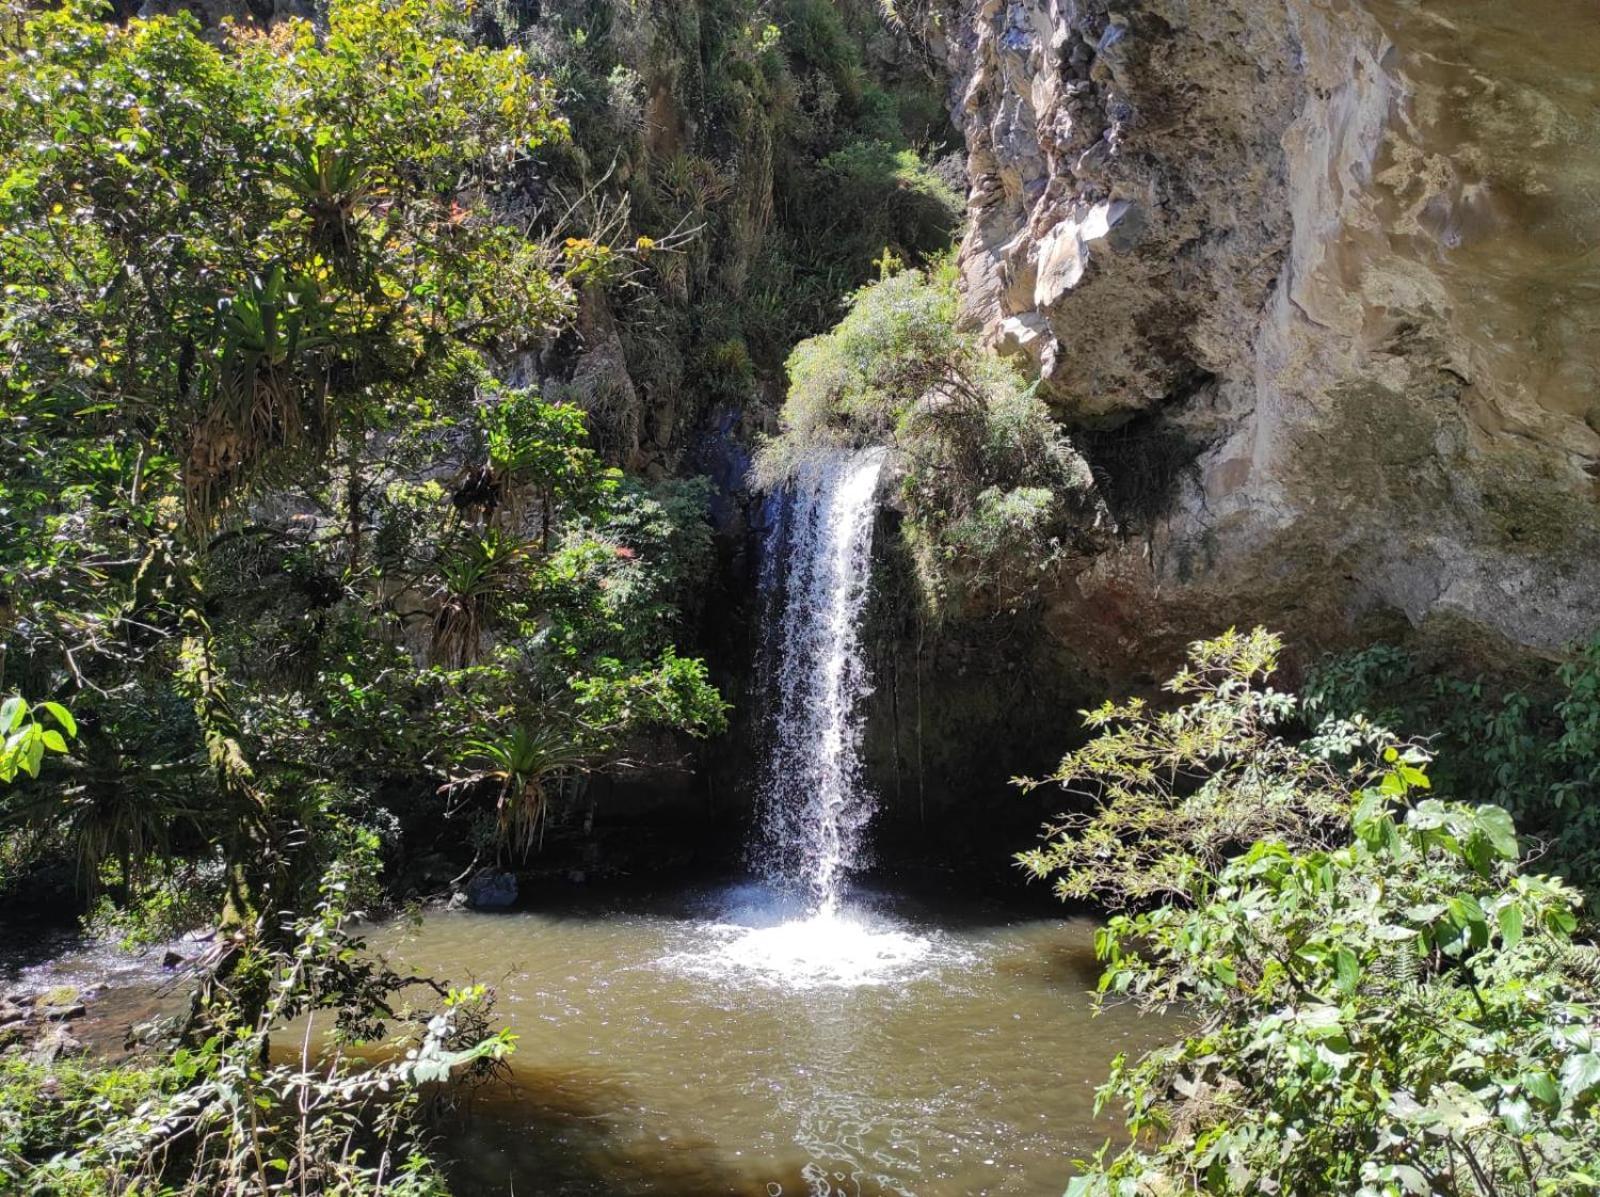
[{"x": 220, "y": 258}]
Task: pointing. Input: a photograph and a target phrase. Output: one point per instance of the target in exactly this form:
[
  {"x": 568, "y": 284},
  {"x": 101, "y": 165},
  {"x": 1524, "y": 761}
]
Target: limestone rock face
[{"x": 1347, "y": 251}]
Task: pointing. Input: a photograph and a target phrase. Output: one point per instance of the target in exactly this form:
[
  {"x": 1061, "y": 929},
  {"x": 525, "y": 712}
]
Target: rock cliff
[{"x": 1316, "y": 284}]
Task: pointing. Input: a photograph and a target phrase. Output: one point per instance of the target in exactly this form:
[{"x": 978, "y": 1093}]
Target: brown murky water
[
  {"x": 720, "y": 1042},
  {"x": 715, "y": 1043}
]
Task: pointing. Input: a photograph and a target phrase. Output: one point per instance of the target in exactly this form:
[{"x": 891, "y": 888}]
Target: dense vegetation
[
  {"x": 996, "y": 497},
  {"x": 252, "y": 305},
  {"x": 305, "y": 582},
  {"x": 279, "y": 542},
  {"x": 1530, "y": 744},
  {"x": 302, "y": 584},
  {"x": 1383, "y": 1001}
]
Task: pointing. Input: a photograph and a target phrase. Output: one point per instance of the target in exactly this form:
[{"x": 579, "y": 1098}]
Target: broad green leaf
[
  {"x": 1496, "y": 824},
  {"x": 1319, "y": 1022},
  {"x": 63, "y": 717},
  {"x": 32, "y": 751},
  {"x": 1579, "y": 1074},
  {"x": 1510, "y": 919},
  {"x": 1347, "y": 970},
  {"x": 1541, "y": 1086}
]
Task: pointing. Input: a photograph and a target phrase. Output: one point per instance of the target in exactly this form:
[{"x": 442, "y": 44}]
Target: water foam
[
  {"x": 828, "y": 950},
  {"x": 759, "y": 938}
]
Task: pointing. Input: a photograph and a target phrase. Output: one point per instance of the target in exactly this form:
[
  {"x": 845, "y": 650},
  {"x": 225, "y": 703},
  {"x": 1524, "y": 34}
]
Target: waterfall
[{"x": 815, "y": 575}]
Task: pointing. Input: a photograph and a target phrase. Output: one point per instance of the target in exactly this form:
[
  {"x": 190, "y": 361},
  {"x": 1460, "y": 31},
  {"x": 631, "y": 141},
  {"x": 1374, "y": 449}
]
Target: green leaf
[
  {"x": 63, "y": 717},
  {"x": 1346, "y": 969},
  {"x": 11, "y": 713},
  {"x": 1516, "y": 1113},
  {"x": 1393, "y": 934},
  {"x": 1542, "y": 1087},
  {"x": 1496, "y": 824},
  {"x": 1320, "y": 1022},
  {"x": 53, "y": 741},
  {"x": 32, "y": 751},
  {"x": 1510, "y": 919},
  {"x": 1579, "y": 1074}
]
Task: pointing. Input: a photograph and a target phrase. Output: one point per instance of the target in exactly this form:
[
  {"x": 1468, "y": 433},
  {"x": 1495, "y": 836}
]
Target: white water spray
[
  {"x": 817, "y": 567},
  {"x": 816, "y": 572}
]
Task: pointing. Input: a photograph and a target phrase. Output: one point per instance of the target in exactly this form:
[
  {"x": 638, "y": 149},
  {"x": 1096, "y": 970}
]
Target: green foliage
[
  {"x": 223, "y": 1118},
  {"x": 1397, "y": 1016},
  {"x": 183, "y": 896},
  {"x": 855, "y": 383},
  {"x": 523, "y": 766},
  {"x": 234, "y": 244},
  {"x": 1178, "y": 791},
  {"x": 1382, "y": 1002},
  {"x": 271, "y": 521},
  {"x": 996, "y": 497},
  {"x": 27, "y": 737},
  {"x": 1531, "y": 747},
  {"x": 256, "y": 282},
  {"x": 790, "y": 162},
  {"x": 902, "y": 193},
  {"x": 594, "y": 653}
]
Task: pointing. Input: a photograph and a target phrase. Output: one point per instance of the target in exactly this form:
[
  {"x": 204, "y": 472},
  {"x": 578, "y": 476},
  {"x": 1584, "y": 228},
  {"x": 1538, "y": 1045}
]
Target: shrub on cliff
[
  {"x": 1383, "y": 1002},
  {"x": 996, "y": 497}
]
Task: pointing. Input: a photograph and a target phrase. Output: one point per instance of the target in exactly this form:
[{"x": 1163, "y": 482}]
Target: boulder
[{"x": 492, "y": 890}]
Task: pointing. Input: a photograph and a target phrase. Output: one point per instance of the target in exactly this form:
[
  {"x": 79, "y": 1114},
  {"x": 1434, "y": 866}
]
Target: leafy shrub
[
  {"x": 1533, "y": 748},
  {"x": 1175, "y": 793},
  {"x": 1383, "y": 1003},
  {"x": 184, "y": 897},
  {"x": 995, "y": 495},
  {"x": 220, "y": 1118},
  {"x": 895, "y": 189}
]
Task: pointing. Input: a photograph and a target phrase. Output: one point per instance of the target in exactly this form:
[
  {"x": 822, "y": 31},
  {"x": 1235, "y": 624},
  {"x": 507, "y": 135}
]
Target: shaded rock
[{"x": 491, "y": 890}]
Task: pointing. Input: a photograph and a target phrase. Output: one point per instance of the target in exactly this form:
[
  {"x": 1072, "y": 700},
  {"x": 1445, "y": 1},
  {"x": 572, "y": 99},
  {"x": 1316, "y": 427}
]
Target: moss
[
  {"x": 1385, "y": 450},
  {"x": 1531, "y": 510}
]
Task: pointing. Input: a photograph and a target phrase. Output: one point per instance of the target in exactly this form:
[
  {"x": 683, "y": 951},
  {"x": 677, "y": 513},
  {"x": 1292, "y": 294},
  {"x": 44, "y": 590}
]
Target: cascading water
[
  {"x": 796, "y": 930},
  {"x": 816, "y": 571}
]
